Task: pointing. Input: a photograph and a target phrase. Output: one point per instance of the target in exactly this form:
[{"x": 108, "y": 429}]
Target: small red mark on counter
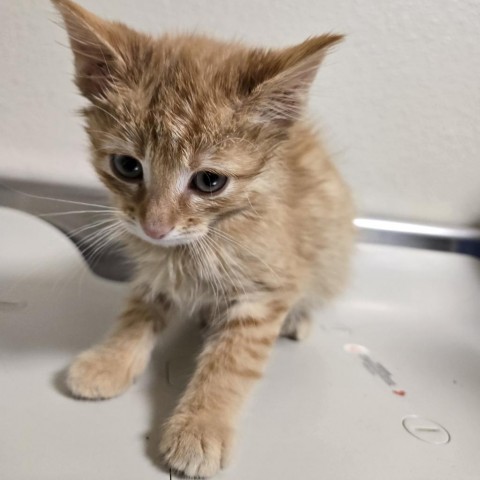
[{"x": 400, "y": 393}]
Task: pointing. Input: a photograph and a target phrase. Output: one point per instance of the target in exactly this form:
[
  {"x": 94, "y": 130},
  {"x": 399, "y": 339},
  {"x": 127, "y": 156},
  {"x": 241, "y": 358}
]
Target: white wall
[{"x": 399, "y": 101}]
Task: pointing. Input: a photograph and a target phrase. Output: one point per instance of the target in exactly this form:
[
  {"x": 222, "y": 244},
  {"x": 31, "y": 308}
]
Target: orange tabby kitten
[{"x": 228, "y": 203}]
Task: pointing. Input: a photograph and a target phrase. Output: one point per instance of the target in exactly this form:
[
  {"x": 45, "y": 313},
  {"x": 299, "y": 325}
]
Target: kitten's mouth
[{"x": 172, "y": 239}]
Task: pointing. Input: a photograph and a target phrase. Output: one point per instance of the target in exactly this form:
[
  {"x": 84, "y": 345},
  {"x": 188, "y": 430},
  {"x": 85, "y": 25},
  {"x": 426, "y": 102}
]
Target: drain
[{"x": 426, "y": 430}]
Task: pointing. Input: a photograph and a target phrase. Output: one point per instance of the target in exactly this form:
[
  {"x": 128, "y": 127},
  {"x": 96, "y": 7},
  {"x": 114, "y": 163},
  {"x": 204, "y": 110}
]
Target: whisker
[
  {"x": 82, "y": 228},
  {"x": 236, "y": 284},
  {"x": 31, "y": 195},
  {"x": 100, "y": 244},
  {"x": 196, "y": 259},
  {"x": 215, "y": 282},
  {"x": 92, "y": 238},
  {"x": 59, "y": 214},
  {"x": 229, "y": 238},
  {"x": 251, "y": 206},
  {"x": 107, "y": 240}
]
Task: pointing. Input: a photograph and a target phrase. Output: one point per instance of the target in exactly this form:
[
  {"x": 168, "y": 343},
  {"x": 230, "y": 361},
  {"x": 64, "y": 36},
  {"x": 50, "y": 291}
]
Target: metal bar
[{"x": 452, "y": 233}]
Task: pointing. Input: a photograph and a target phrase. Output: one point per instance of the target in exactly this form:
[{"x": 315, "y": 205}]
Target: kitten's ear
[
  {"x": 283, "y": 82},
  {"x": 94, "y": 43}
]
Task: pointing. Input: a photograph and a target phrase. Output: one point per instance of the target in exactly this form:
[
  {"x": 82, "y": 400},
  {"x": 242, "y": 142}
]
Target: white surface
[
  {"x": 399, "y": 101},
  {"x": 317, "y": 414}
]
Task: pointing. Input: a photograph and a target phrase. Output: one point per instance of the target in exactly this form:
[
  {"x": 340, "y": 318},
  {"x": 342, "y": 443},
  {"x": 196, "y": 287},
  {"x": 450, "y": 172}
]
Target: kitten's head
[{"x": 184, "y": 129}]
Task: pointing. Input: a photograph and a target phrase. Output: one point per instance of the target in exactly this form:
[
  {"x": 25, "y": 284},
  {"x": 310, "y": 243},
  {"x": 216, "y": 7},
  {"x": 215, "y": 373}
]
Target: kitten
[{"x": 227, "y": 201}]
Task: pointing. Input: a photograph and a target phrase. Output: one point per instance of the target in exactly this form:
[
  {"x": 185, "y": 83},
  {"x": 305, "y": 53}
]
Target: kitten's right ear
[
  {"x": 278, "y": 81},
  {"x": 94, "y": 43}
]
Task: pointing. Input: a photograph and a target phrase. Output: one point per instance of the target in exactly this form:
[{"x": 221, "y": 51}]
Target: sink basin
[{"x": 387, "y": 386}]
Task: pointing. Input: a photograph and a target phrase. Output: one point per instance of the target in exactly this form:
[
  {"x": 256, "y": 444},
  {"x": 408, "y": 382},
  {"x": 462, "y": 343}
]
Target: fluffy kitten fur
[{"x": 252, "y": 260}]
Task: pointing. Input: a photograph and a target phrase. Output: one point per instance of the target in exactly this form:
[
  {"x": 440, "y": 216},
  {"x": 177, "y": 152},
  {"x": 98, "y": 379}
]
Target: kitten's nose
[{"x": 156, "y": 231}]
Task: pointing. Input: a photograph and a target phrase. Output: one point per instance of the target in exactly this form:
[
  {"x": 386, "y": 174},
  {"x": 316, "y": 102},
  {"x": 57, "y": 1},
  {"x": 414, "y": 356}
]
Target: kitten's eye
[
  {"x": 127, "y": 168},
  {"x": 208, "y": 182}
]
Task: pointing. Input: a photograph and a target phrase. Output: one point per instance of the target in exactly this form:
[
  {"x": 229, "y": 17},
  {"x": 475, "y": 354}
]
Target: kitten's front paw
[
  {"x": 194, "y": 446},
  {"x": 99, "y": 374}
]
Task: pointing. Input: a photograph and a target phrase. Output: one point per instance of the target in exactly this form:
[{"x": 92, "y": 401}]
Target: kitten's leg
[
  {"x": 197, "y": 438},
  {"x": 298, "y": 323},
  {"x": 109, "y": 368}
]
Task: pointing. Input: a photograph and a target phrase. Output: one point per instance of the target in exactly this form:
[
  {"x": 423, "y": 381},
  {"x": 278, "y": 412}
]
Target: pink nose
[{"x": 157, "y": 231}]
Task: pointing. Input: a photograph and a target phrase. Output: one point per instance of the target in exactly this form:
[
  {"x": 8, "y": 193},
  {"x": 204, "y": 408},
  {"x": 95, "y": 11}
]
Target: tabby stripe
[
  {"x": 267, "y": 340},
  {"x": 263, "y": 338},
  {"x": 243, "y": 372},
  {"x": 254, "y": 353},
  {"x": 249, "y": 322}
]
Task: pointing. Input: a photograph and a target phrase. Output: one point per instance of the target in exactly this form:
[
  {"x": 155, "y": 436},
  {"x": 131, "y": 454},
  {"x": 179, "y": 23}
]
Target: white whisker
[
  {"x": 89, "y": 226},
  {"x": 230, "y": 239},
  {"x": 209, "y": 273},
  {"x": 236, "y": 284},
  {"x": 59, "y": 214},
  {"x": 31, "y": 195}
]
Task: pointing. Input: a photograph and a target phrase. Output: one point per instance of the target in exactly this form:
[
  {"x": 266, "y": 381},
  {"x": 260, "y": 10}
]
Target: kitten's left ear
[
  {"x": 285, "y": 77},
  {"x": 95, "y": 45}
]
